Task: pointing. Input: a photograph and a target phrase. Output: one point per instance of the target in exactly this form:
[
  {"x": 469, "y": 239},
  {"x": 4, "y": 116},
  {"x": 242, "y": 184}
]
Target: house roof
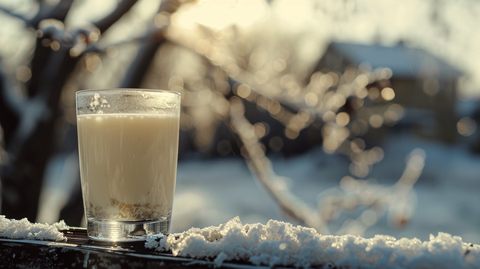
[{"x": 404, "y": 61}]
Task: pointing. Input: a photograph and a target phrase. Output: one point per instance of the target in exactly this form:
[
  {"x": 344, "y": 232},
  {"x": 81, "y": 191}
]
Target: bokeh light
[
  {"x": 466, "y": 126},
  {"x": 388, "y": 93}
]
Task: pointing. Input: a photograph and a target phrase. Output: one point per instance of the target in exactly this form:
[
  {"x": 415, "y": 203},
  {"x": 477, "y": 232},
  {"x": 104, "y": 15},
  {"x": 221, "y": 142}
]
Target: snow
[
  {"x": 24, "y": 229},
  {"x": 282, "y": 244}
]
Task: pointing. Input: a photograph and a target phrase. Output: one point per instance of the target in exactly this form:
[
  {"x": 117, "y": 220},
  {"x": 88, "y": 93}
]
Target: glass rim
[{"x": 127, "y": 90}]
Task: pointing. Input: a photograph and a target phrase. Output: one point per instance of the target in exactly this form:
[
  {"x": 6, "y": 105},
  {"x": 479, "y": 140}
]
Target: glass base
[{"x": 124, "y": 231}]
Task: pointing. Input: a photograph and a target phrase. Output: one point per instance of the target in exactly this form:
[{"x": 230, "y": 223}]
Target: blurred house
[{"x": 424, "y": 84}]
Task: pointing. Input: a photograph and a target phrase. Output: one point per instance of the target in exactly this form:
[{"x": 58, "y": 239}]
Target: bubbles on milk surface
[{"x": 96, "y": 102}]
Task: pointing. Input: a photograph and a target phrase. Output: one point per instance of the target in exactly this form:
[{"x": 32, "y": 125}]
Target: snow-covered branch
[
  {"x": 260, "y": 166},
  {"x": 376, "y": 200},
  {"x": 397, "y": 201}
]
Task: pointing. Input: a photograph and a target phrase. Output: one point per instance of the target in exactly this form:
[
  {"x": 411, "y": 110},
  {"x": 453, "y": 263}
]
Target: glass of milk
[{"x": 128, "y": 147}]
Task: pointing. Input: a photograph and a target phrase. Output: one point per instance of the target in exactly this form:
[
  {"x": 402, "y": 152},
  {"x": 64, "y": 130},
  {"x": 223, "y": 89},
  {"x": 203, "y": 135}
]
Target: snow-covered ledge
[
  {"x": 283, "y": 244},
  {"x": 23, "y": 229}
]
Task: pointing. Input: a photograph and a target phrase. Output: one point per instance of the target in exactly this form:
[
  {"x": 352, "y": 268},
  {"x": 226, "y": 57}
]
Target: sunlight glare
[
  {"x": 293, "y": 14},
  {"x": 219, "y": 14}
]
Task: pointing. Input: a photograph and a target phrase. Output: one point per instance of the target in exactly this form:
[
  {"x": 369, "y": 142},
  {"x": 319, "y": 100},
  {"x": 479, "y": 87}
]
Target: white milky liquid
[{"x": 128, "y": 165}]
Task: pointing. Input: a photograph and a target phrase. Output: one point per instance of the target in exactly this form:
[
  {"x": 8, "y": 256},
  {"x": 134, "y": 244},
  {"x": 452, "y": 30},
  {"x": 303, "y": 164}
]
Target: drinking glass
[{"x": 128, "y": 148}]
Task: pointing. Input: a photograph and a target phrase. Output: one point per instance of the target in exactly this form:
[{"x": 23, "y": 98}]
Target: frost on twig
[{"x": 398, "y": 200}]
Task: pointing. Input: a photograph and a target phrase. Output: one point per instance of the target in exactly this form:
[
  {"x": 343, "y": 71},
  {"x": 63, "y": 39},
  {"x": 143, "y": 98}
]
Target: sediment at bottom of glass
[{"x": 121, "y": 231}]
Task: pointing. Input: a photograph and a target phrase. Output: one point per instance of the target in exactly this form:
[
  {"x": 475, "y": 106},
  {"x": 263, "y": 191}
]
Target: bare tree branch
[
  {"x": 122, "y": 7},
  {"x": 145, "y": 55},
  {"x": 10, "y": 106},
  {"x": 139, "y": 66},
  {"x": 34, "y": 139},
  {"x": 13, "y": 14},
  {"x": 48, "y": 10}
]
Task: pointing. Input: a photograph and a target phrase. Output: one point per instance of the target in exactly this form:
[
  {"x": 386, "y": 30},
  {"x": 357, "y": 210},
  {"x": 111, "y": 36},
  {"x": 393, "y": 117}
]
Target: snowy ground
[{"x": 210, "y": 192}]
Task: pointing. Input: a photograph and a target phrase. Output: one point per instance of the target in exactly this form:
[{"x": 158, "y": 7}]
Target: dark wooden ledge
[{"x": 81, "y": 252}]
